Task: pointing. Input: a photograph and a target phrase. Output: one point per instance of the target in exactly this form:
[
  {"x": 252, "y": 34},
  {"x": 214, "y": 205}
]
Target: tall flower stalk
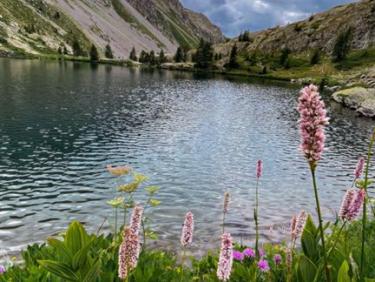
[
  {"x": 313, "y": 119},
  {"x": 225, "y": 208},
  {"x": 364, "y": 216},
  {"x": 256, "y": 209}
]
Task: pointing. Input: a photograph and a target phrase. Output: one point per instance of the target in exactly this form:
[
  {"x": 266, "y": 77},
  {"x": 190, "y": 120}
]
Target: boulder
[{"x": 358, "y": 98}]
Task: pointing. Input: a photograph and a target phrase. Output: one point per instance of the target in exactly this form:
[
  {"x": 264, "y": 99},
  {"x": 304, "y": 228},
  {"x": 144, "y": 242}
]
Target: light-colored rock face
[
  {"x": 42, "y": 26},
  {"x": 358, "y": 98},
  {"x": 102, "y": 25}
]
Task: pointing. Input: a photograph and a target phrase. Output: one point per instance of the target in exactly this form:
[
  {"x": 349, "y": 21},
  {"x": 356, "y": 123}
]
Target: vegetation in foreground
[{"x": 341, "y": 251}]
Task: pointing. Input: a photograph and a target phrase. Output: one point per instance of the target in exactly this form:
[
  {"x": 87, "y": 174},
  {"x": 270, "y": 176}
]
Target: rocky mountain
[
  {"x": 42, "y": 26},
  {"x": 177, "y": 22},
  {"x": 319, "y": 31}
]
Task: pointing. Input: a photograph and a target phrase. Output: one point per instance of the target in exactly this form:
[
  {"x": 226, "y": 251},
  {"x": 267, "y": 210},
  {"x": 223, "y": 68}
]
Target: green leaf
[
  {"x": 93, "y": 272},
  {"x": 73, "y": 237},
  {"x": 61, "y": 249},
  {"x": 154, "y": 202},
  {"x": 59, "y": 269},
  {"x": 80, "y": 258},
  {"x": 310, "y": 240},
  {"x": 343, "y": 274},
  {"x": 307, "y": 269}
]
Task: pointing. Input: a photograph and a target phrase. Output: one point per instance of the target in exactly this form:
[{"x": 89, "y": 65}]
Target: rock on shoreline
[{"x": 358, "y": 98}]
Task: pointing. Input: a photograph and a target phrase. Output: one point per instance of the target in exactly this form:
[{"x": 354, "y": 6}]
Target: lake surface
[{"x": 62, "y": 123}]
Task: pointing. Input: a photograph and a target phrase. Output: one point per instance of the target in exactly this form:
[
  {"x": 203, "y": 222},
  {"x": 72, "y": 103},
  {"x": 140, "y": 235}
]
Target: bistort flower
[
  {"x": 136, "y": 219},
  {"x": 226, "y": 258},
  {"x": 128, "y": 253},
  {"x": 187, "y": 230},
  {"x": 313, "y": 118},
  {"x": 359, "y": 169},
  {"x": 259, "y": 168}
]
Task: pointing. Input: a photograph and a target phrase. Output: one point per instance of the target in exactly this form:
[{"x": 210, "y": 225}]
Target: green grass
[{"x": 359, "y": 58}]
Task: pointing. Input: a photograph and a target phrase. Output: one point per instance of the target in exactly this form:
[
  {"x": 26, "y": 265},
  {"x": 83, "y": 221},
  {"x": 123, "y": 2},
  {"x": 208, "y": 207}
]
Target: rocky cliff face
[
  {"x": 178, "y": 23},
  {"x": 42, "y": 26}
]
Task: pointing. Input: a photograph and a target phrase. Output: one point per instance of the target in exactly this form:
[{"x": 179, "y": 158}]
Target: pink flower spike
[
  {"x": 346, "y": 204},
  {"x": 136, "y": 219},
  {"x": 187, "y": 230},
  {"x": 128, "y": 253},
  {"x": 313, "y": 119},
  {"x": 259, "y": 168},
  {"x": 226, "y": 258},
  {"x": 359, "y": 169},
  {"x": 356, "y": 204}
]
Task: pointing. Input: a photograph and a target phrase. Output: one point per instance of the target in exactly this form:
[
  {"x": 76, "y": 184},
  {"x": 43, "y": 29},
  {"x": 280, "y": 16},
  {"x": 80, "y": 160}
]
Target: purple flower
[
  {"x": 263, "y": 265},
  {"x": 359, "y": 169},
  {"x": 2, "y": 269},
  {"x": 277, "y": 259},
  {"x": 237, "y": 255},
  {"x": 312, "y": 122},
  {"x": 249, "y": 253}
]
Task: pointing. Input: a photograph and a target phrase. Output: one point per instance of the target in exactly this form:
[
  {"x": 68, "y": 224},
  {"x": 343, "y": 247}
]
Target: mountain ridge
[{"x": 41, "y": 27}]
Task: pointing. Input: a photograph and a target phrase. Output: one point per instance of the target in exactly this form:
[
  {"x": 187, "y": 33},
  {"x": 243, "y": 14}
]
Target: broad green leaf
[
  {"x": 310, "y": 240},
  {"x": 80, "y": 257},
  {"x": 59, "y": 269},
  {"x": 343, "y": 274},
  {"x": 61, "y": 249},
  {"x": 307, "y": 269},
  {"x": 93, "y": 272},
  {"x": 73, "y": 237}
]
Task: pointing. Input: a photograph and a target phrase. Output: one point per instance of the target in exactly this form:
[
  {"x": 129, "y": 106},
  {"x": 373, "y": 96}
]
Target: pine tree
[
  {"x": 162, "y": 58},
  {"x": 246, "y": 36},
  {"x": 179, "y": 56},
  {"x": 342, "y": 45},
  {"x": 315, "y": 58},
  {"x": 152, "y": 58},
  {"x": 133, "y": 55},
  {"x": 108, "y": 52},
  {"x": 204, "y": 55},
  {"x": 94, "y": 55},
  {"x": 284, "y": 57},
  {"x": 233, "y": 57},
  {"x": 77, "y": 51},
  {"x": 143, "y": 58}
]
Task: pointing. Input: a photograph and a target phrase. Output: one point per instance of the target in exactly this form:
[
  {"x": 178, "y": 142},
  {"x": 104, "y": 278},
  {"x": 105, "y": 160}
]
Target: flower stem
[
  {"x": 223, "y": 222},
  {"x": 116, "y": 211},
  {"x": 312, "y": 169},
  {"x": 364, "y": 217},
  {"x": 256, "y": 220}
]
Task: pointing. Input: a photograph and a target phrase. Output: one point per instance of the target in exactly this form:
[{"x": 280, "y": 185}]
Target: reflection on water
[{"x": 62, "y": 123}]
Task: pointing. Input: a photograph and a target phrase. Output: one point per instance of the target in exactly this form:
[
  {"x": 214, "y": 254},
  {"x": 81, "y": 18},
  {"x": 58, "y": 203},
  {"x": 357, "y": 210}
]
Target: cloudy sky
[{"x": 234, "y": 16}]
